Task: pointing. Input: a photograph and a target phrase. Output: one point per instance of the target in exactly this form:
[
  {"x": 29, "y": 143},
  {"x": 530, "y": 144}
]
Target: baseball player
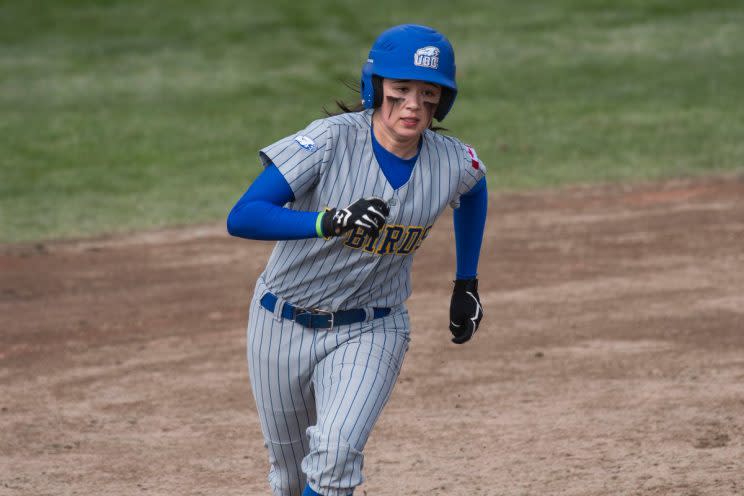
[{"x": 349, "y": 200}]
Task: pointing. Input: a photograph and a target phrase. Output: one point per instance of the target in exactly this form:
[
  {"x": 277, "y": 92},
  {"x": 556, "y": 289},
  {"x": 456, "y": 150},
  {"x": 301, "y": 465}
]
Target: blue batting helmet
[{"x": 410, "y": 51}]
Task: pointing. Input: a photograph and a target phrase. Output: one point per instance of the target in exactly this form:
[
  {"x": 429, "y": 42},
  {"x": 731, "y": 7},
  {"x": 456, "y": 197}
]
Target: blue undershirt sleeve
[
  {"x": 260, "y": 212},
  {"x": 470, "y": 221}
]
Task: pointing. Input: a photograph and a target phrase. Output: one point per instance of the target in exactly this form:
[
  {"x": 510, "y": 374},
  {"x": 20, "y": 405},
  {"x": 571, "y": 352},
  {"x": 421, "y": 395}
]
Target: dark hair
[{"x": 345, "y": 108}]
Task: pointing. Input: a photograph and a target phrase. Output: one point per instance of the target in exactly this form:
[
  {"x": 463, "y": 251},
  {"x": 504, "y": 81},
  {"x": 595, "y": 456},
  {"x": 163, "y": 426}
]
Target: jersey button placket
[{"x": 394, "y": 205}]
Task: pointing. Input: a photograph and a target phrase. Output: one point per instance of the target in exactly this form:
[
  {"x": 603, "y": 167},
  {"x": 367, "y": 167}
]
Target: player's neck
[{"x": 401, "y": 146}]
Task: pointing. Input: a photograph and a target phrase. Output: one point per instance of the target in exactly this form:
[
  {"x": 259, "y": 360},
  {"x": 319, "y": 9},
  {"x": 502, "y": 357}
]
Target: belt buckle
[{"x": 317, "y": 311}]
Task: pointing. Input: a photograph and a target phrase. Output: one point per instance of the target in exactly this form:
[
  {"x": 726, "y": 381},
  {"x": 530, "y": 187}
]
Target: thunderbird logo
[{"x": 427, "y": 57}]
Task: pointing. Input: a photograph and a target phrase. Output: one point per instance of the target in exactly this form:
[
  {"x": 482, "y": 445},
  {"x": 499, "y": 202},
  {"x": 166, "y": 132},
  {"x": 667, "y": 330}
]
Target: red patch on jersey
[{"x": 473, "y": 160}]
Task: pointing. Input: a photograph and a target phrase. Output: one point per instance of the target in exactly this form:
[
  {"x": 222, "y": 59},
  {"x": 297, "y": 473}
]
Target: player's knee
[{"x": 334, "y": 469}]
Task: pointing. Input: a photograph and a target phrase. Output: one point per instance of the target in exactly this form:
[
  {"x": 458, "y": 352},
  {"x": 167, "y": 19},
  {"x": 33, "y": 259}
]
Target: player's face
[{"x": 408, "y": 106}]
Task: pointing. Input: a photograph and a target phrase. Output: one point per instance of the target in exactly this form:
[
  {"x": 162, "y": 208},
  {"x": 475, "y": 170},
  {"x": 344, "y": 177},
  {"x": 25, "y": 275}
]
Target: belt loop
[
  {"x": 278, "y": 307},
  {"x": 369, "y": 314}
]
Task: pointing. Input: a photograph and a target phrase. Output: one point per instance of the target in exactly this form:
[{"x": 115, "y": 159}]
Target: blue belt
[{"x": 321, "y": 319}]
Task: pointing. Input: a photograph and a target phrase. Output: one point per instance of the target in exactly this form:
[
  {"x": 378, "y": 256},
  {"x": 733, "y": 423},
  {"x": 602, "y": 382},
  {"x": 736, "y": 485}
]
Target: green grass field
[{"x": 122, "y": 115}]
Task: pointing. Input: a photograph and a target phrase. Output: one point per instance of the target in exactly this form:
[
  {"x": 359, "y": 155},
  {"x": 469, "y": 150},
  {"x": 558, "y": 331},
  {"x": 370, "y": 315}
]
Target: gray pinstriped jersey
[{"x": 331, "y": 163}]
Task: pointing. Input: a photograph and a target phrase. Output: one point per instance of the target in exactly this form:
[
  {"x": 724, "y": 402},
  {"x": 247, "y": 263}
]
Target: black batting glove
[
  {"x": 367, "y": 213},
  {"x": 466, "y": 311}
]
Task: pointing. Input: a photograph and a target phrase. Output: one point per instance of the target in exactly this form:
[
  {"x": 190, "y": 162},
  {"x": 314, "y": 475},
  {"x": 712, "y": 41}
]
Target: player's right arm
[
  {"x": 260, "y": 214},
  {"x": 293, "y": 167}
]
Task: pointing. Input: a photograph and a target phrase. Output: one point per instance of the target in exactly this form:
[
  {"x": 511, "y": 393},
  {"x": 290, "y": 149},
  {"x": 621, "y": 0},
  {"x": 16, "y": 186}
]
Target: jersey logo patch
[
  {"x": 427, "y": 57},
  {"x": 307, "y": 143},
  {"x": 473, "y": 158}
]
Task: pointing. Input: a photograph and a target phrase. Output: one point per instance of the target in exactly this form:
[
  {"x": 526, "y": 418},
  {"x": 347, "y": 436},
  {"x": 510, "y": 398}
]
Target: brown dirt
[{"x": 610, "y": 361}]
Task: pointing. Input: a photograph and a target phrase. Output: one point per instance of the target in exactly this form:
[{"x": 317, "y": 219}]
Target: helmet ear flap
[
  {"x": 445, "y": 103},
  {"x": 377, "y": 91},
  {"x": 366, "y": 86}
]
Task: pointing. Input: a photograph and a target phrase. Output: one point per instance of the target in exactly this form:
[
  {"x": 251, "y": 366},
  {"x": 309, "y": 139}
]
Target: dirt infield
[{"x": 610, "y": 360}]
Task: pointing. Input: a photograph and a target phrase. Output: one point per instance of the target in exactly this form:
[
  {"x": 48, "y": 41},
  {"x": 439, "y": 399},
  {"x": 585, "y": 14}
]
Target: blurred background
[{"x": 124, "y": 115}]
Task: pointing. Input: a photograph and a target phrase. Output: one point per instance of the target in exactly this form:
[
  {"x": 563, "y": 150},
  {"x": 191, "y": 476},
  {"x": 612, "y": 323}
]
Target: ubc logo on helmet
[{"x": 427, "y": 57}]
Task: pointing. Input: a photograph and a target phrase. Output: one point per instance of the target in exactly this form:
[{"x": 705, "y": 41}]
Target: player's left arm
[
  {"x": 466, "y": 311},
  {"x": 470, "y": 223}
]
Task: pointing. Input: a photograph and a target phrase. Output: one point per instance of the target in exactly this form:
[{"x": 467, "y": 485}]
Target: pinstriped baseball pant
[{"x": 319, "y": 393}]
